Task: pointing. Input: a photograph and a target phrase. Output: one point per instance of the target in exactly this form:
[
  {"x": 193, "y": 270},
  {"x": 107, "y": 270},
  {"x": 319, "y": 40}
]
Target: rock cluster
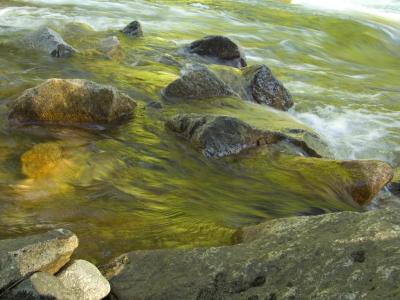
[{"x": 36, "y": 267}]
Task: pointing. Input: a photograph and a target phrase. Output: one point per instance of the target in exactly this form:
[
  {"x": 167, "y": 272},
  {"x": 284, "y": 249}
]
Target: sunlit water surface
[{"x": 139, "y": 187}]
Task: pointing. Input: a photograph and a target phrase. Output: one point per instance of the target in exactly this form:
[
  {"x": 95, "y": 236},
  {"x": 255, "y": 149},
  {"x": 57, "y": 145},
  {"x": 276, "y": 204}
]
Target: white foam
[{"x": 387, "y": 9}]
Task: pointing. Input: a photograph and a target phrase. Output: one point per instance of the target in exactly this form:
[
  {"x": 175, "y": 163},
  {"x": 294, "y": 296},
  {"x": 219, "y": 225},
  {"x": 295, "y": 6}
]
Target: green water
[{"x": 140, "y": 187}]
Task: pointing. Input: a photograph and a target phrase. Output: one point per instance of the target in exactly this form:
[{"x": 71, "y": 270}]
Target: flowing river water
[{"x": 139, "y": 187}]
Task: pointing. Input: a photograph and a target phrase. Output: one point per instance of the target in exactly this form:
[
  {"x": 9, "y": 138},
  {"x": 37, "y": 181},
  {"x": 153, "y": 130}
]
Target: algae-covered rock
[
  {"x": 262, "y": 87},
  {"x": 50, "y": 41},
  {"x": 109, "y": 45},
  {"x": 46, "y": 252},
  {"x": 218, "y": 49},
  {"x": 196, "y": 82},
  {"x": 133, "y": 29},
  {"x": 67, "y": 101},
  {"x": 361, "y": 180},
  {"x": 218, "y": 136},
  {"x": 332, "y": 256}
]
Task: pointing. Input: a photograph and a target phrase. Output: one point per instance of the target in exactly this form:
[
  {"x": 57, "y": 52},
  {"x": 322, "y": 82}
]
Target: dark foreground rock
[
  {"x": 333, "y": 256},
  {"x": 262, "y": 87},
  {"x": 50, "y": 41},
  {"x": 218, "y": 49},
  {"x": 67, "y": 101},
  {"x": 133, "y": 29},
  {"x": 196, "y": 82},
  {"x": 46, "y": 252},
  {"x": 219, "y": 136}
]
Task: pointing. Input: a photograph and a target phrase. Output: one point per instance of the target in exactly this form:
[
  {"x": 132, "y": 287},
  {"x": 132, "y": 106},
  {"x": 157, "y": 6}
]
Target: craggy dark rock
[
  {"x": 262, "y": 87},
  {"x": 218, "y": 136},
  {"x": 133, "y": 29},
  {"x": 67, "y": 101},
  {"x": 48, "y": 40},
  {"x": 46, "y": 252},
  {"x": 332, "y": 256},
  {"x": 196, "y": 82},
  {"x": 218, "y": 49}
]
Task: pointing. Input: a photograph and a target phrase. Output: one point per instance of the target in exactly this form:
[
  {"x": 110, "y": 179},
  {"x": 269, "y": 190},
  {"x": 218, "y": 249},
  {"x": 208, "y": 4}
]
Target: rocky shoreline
[{"x": 333, "y": 256}]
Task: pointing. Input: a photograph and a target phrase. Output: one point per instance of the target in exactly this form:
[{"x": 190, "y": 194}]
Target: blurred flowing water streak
[{"x": 138, "y": 186}]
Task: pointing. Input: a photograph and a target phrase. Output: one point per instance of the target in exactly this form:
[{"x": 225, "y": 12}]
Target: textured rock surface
[
  {"x": 46, "y": 252},
  {"x": 85, "y": 280},
  {"x": 196, "y": 82},
  {"x": 218, "y": 49},
  {"x": 133, "y": 29},
  {"x": 71, "y": 101},
  {"x": 333, "y": 256},
  {"x": 50, "y": 41},
  {"x": 218, "y": 136},
  {"x": 41, "y": 286},
  {"x": 262, "y": 87}
]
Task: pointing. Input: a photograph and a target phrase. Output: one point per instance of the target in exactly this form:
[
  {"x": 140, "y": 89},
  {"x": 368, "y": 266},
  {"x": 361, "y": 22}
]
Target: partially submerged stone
[
  {"x": 333, "y": 256},
  {"x": 50, "y": 41},
  {"x": 109, "y": 45},
  {"x": 70, "y": 101},
  {"x": 46, "y": 252},
  {"x": 262, "y": 87},
  {"x": 218, "y": 136},
  {"x": 85, "y": 280},
  {"x": 218, "y": 49},
  {"x": 196, "y": 82},
  {"x": 133, "y": 29}
]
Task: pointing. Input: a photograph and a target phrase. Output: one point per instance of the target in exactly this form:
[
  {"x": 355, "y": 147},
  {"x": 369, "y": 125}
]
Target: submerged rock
[
  {"x": 69, "y": 101},
  {"x": 48, "y": 40},
  {"x": 394, "y": 186},
  {"x": 262, "y": 87},
  {"x": 46, "y": 252},
  {"x": 84, "y": 280},
  {"x": 333, "y": 256},
  {"x": 133, "y": 29},
  {"x": 218, "y": 136},
  {"x": 43, "y": 160},
  {"x": 196, "y": 82},
  {"x": 218, "y": 49}
]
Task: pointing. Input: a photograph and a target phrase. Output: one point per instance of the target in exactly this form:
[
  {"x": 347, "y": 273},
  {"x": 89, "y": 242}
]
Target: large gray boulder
[
  {"x": 46, "y": 252},
  {"x": 48, "y": 40},
  {"x": 67, "y": 101},
  {"x": 196, "y": 82},
  {"x": 84, "y": 280},
  {"x": 334, "y": 256},
  {"x": 218, "y": 136},
  {"x": 262, "y": 87},
  {"x": 218, "y": 49}
]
